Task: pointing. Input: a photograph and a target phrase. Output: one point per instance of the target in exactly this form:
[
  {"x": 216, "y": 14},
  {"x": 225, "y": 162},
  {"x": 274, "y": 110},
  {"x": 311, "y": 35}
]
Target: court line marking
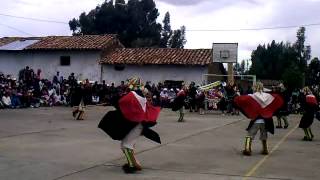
[
  {"x": 257, "y": 165},
  {"x": 153, "y": 148}
]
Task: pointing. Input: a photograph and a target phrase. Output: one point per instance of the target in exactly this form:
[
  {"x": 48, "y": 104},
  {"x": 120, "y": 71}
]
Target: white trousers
[{"x": 131, "y": 138}]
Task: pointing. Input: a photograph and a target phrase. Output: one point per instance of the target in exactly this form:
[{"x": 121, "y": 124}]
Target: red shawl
[
  {"x": 252, "y": 106},
  {"x": 136, "y": 108}
]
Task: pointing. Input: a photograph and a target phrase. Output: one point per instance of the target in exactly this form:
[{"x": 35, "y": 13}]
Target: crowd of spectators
[{"x": 31, "y": 90}]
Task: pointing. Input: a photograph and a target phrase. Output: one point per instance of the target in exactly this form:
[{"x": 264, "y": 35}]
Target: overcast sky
[{"x": 194, "y": 14}]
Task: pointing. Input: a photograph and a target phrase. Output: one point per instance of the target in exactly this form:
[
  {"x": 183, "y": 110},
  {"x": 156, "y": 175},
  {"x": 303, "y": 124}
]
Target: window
[
  {"x": 224, "y": 54},
  {"x": 119, "y": 67},
  {"x": 65, "y": 60}
]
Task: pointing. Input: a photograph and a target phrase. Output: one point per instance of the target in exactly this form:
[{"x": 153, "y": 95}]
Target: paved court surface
[{"x": 47, "y": 144}]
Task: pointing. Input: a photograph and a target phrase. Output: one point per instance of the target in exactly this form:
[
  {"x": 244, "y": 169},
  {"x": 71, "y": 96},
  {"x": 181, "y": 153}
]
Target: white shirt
[
  {"x": 164, "y": 94},
  {"x": 259, "y": 121},
  {"x": 6, "y": 100},
  {"x": 95, "y": 99},
  {"x": 51, "y": 91}
]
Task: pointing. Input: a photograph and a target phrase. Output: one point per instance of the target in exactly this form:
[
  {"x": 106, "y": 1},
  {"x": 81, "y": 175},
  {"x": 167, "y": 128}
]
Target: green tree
[
  {"x": 299, "y": 45},
  {"x": 135, "y": 22},
  {"x": 240, "y": 68},
  {"x": 292, "y": 77},
  {"x": 313, "y": 72},
  {"x": 74, "y": 24},
  {"x": 270, "y": 61},
  {"x": 166, "y": 32},
  {"x": 303, "y": 52},
  {"x": 236, "y": 68},
  {"x": 178, "y": 39},
  {"x": 243, "y": 67}
]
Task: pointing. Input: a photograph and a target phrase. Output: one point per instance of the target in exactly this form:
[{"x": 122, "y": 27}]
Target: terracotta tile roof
[
  {"x": 85, "y": 42},
  {"x": 158, "y": 56}
]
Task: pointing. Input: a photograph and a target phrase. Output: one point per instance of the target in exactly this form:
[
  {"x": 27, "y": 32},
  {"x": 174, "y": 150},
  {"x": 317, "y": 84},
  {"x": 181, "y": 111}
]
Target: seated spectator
[
  {"x": 51, "y": 91},
  {"x": 95, "y": 99},
  {"x": 1, "y": 105},
  {"x": 35, "y": 102},
  {"x": 44, "y": 96},
  {"x": 171, "y": 95},
  {"x": 64, "y": 99},
  {"x": 6, "y": 100},
  {"x": 57, "y": 99},
  {"x": 15, "y": 99},
  {"x": 164, "y": 97}
]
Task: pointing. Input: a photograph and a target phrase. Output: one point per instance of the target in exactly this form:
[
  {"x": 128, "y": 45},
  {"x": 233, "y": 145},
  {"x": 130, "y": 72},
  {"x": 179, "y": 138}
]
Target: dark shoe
[
  {"x": 305, "y": 138},
  {"x": 129, "y": 170},
  {"x": 265, "y": 152},
  {"x": 286, "y": 126},
  {"x": 246, "y": 153},
  {"x": 278, "y": 127}
]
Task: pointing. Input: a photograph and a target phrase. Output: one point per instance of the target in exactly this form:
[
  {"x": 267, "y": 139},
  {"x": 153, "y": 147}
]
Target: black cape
[
  {"x": 178, "y": 103},
  {"x": 117, "y": 127},
  {"x": 284, "y": 110},
  {"x": 77, "y": 95},
  {"x": 308, "y": 115}
]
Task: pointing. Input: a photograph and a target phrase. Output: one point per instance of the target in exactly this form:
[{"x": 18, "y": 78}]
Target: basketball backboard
[{"x": 225, "y": 52}]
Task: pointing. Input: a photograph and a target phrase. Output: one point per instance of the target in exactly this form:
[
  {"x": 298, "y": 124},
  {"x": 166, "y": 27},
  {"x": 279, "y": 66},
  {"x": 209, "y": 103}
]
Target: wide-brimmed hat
[
  {"x": 134, "y": 83},
  {"x": 258, "y": 87}
]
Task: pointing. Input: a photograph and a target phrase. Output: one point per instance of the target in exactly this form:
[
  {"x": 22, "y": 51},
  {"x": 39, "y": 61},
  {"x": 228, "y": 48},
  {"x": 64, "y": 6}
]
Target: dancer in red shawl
[
  {"x": 134, "y": 117},
  {"x": 259, "y": 107},
  {"x": 178, "y": 103},
  {"x": 310, "y": 105}
]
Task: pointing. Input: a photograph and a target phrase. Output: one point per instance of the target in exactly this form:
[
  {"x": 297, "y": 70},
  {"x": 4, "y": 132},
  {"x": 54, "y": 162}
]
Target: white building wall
[
  {"x": 155, "y": 73},
  {"x": 83, "y": 63}
]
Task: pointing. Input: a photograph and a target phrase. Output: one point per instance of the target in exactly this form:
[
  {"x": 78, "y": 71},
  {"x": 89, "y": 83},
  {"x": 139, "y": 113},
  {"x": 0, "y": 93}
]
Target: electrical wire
[
  {"x": 190, "y": 30},
  {"x": 34, "y": 19},
  {"x": 16, "y": 29},
  {"x": 257, "y": 29}
]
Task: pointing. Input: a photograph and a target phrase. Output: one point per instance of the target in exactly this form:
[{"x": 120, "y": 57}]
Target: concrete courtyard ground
[{"x": 47, "y": 144}]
